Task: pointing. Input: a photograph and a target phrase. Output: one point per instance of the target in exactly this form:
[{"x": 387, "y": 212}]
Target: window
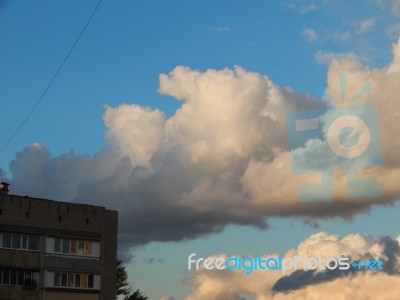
[
  {"x": 6, "y": 276},
  {"x": 77, "y": 280},
  {"x": 34, "y": 242},
  {"x": 64, "y": 279},
  {"x": 67, "y": 279},
  {"x": 84, "y": 281},
  {"x": 88, "y": 247},
  {"x": 13, "y": 277},
  {"x": 27, "y": 278},
  {"x": 70, "y": 279},
  {"x": 90, "y": 281},
  {"x": 18, "y": 277},
  {"x": 57, "y": 279},
  {"x": 73, "y": 280},
  {"x": 20, "y": 241},
  {"x": 80, "y": 247},
  {"x": 6, "y": 240},
  {"x": 24, "y": 242},
  {"x": 72, "y": 246},
  {"x": 57, "y": 245},
  {"x": 65, "y": 246},
  {"x": 16, "y": 241}
]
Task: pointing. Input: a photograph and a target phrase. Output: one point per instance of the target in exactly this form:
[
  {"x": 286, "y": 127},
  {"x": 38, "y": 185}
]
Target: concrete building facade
[{"x": 51, "y": 250}]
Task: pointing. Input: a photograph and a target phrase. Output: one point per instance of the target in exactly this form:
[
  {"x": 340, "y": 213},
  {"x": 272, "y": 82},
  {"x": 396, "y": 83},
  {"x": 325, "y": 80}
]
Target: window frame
[
  {"x": 20, "y": 241},
  {"x": 73, "y": 247},
  {"x": 18, "y": 277},
  {"x": 73, "y": 280}
]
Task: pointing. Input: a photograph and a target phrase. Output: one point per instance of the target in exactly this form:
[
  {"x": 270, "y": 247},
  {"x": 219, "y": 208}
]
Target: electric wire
[{"x": 53, "y": 78}]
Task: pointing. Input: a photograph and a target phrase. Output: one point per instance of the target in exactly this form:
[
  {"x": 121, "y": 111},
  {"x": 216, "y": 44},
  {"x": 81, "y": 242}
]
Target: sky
[{"x": 175, "y": 114}]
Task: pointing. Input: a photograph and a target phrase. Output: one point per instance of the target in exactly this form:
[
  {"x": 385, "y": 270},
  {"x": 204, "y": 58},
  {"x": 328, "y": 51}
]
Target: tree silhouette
[
  {"x": 122, "y": 285},
  {"x": 137, "y": 295}
]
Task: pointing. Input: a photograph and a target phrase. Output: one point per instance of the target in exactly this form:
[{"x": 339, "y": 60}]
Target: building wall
[
  {"x": 52, "y": 215},
  {"x": 109, "y": 249},
  {"x": 18, "y": 294},
  {"x": 54, "y": 295},
  {"x": 27, "y": 259},
  {"x": 54, "y": 220}
]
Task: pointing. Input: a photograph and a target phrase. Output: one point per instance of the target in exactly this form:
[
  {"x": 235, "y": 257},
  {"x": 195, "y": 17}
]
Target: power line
[{"x": 53, "y": 78}]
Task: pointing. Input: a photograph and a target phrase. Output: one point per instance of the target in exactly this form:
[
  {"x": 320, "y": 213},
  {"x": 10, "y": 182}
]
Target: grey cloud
[
  {"x": 222, "y": 159},
  {"x": 151, "y": 260},
  {"x": 301, "y": 278}
]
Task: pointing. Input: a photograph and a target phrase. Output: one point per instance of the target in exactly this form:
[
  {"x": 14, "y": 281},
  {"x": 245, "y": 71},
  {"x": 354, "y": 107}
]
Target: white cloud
[
  {"x": 365, "y": 25},
  {"x": 323, "y": 57},
  {"x": 308, "y": 8},
  {"x": 396, "y": 7},
  {"x": 225, "y": 147},
  {"x": 393, "y": 31},
  {"x": 304, "y": 8},
  {"x": 394, "y": 66},
  {"x": 311, "y": 34},
  {"x": 325, "y": 35},
  {"x": 340, "y": 36},
  {"x": 267, "y": 284},
  {"x": 135, "y": 131},
  {"x": 221, "y": 29}
]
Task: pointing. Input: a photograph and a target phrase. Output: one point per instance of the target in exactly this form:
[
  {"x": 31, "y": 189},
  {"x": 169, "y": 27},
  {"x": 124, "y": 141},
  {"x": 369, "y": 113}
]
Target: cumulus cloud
[
  {"x": 311, "y": 34},
  {"x": 127, "y": 125},
  {"x": 311, "y": 284},
  {"x": 394, "y": 67},
  {"x": 222, "y": 158}
]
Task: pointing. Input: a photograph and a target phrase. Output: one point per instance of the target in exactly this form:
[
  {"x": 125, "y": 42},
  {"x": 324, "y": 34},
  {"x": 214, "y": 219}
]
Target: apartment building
[{"x": 52, "y": 250}]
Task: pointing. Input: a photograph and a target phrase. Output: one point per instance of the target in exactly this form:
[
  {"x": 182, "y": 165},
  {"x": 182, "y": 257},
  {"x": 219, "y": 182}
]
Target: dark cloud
[
  {"x": 302, "y": 278},
  {"x": 392, "y": 252},
  {"x": 151, "y": 260}
]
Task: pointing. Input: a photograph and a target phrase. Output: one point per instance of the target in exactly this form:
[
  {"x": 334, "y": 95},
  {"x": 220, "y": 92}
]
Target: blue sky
[
  {"x": 131, "y": 42},
  {"x": 119, "y": 60}
]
